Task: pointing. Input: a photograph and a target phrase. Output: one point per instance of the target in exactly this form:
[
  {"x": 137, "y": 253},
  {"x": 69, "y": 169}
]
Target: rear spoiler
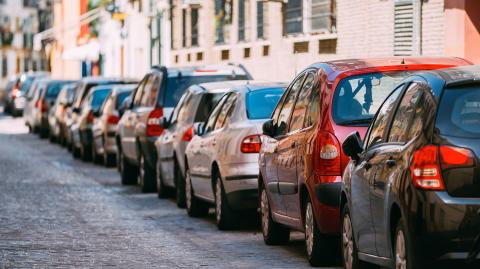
[{"x": 463, "y": 82}]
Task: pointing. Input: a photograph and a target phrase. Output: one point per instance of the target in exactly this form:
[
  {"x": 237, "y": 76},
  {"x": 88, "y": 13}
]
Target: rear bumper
[
  {"x": 240, "y": 182},
  {"x": 243, "y": 200},
  {"x": 327, "y": 207},
  {"x": 148, "y": 149}
]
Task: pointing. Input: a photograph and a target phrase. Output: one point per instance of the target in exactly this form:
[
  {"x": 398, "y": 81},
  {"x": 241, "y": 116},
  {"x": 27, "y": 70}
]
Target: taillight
[
  {"x": 154, "y": 127},
  {"x": 16, "y": 93},
  {"x": 187, "y": 136},
  {"x": 428, "y": 162},
  {"x": 113, "y": 119},
  {"x": 251, "y": 144},
  {"x": 329, "y": 161},
  {"x": 90, "y": 117}
]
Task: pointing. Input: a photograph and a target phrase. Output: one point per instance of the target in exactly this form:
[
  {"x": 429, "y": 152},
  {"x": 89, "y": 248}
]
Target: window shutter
[{"x": 403, "y": 32}]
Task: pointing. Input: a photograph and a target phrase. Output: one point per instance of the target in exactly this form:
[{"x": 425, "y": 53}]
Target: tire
[
  {"x": 348, "y": 245},
  {"x": 224, "y": 215},
  {"x": 146, "y": 176},
  {"x": 162, "y": 191},
  {"x": 402, "y": 249},
  {"x": 179, "y": 186},
  {"x": 76, "y": 152},
  {"x": 109, "y": 159},
  {"x": 85, "y": 153},
  {"x": 43, "y": 133},
  {"x": 273, "y": 233},
  {"x": 128, "y": 172},
  {"x": 96, "y": 158},
  {"x": 194, "y": 206},
  {"x": 119, "y": 158},
  {"x": 51, "y": 138},
  {"x": 320, "y": 249}
]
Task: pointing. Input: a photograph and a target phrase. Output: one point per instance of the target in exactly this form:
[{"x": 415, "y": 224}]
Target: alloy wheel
[
  {"x": 218, "y": 200},
  {"x": 347, "y": 241},
  {"x": 400, "y": 257},
  {"x": 265, "y": 208},
  {"x": 309, "y": 238}
]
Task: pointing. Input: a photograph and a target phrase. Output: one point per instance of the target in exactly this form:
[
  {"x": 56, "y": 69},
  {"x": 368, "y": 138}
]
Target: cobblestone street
[{"x": 59, "y": 212}]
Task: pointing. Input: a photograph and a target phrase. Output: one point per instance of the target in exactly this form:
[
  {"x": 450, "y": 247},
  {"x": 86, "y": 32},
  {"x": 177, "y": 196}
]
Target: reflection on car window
[
  {"x": 226, "y": 111},
  {"x": 213, "y": 117},
  {"x": 206, "y": 105},
  {"x": 313, "y": 109},
  {"x": 298, "y": 114},
  {"x": 260, "y": 103},
  {"x": 283, "y": 118}
]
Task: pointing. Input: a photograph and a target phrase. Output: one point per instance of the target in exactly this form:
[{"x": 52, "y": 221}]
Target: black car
[
  {"x": 411, "y": 193},
  {"x": 152, "y": 103}
]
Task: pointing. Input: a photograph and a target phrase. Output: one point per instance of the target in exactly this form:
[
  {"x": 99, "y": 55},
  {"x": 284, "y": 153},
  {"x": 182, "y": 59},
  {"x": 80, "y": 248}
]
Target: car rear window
[
  {"x": 26, "y": 84},
  {"x": 459, "y": 113},
  {"x": 121, "y": 97},
  {"x": 98, "y": 97},
  {"x": 260, "y": 103},
  {"x": 176, "y": 86},
  {"x": 357, "y": 98},
  {"x": 53, "y": 89},
  {"x": 206, "y": 105}
]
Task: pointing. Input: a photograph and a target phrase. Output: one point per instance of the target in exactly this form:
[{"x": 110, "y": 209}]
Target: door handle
[
  {"x": 294, "y": 144},
  {"x": 390, "y": 163},
  {"x": 367, "y": 165}
]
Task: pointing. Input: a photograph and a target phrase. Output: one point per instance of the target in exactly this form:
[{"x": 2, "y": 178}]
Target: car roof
[
  {"x": 221, "y": 86},
  {"x": 207, "y": 70},
  {"x": 458, "y": 76}
]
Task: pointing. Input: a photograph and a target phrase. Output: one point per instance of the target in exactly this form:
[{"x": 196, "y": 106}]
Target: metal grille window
[
  {"x": 184, "y": 27},
  {"x": 194, "y": 26},
  {"x": 223, "y": 17},
  {"x": 4, "y": 66},
  {"x": 403, "y": 24},
  {"x": 241, "y": 20},
  {"x": 323, "y": 15},
  {"x": 293, "y": 19},
  {"x": 260, "y": 22}
]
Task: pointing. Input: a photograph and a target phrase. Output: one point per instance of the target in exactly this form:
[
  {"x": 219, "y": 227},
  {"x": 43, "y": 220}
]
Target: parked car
[
  {"x": 11, "y": 84},
  {"x": 56, "y": 118},
  {"x": 411, "y": 194},
  {"x": 80, "y": 91},
  {"x": 301, "y": 162},
  {"x": 30, "y": 113},
  {"x": 154, "y": 99},
  {"x": 195, "y": 105},
  {"x": 222, "y": 159},
  {"x": 15, "y": 101},
  {"x": 104, "y": 146},
  {"x": 81, "y": 129}
]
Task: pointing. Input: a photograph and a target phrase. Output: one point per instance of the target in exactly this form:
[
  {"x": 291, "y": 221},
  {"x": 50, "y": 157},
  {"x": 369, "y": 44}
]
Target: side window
[
  {"x": 180, "y": 106},
  {"x": 408, "y": 120},
  {"x": 139, "y": 92},
  {"x": 313, "y": 109},
  {"x": 213, "y": 116},
  {"x": 380, "y": 123},
  {"x": 284, "y": 115},
  {"x": 300, "y": 109},
  {"x": 226, "y": 111},
  {"x": 151, "y": 90}
]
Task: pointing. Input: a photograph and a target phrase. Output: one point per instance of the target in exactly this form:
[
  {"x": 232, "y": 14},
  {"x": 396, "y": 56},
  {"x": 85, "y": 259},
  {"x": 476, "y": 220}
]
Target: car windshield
[
  {"x": 53, "y": 89},
  {"x": 357, "y": 98},
  {"x": 260, "y": 103},
  {"x": 98, "y": 97},
  {"x": 27, "y": 84},
  {"x": 121, "y": 97},
  {"x": 459, "y": 113},
  {"x": 176, "y": 86}
]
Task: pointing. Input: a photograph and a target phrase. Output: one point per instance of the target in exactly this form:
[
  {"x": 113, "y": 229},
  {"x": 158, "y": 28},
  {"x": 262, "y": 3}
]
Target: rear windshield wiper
[{"x": 357, "y": 121}]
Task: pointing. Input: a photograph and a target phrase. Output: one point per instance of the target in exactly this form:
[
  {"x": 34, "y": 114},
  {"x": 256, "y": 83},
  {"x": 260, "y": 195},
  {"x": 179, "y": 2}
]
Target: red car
[{"x": 301, "y": 159}]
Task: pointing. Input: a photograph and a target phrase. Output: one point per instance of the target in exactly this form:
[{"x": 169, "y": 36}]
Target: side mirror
[
  {"x": 97, "y": 113},
  {"x": 268, "y": 128},
  {"x": 165, "y": 123},
  {"x": 76, "y": 110},
  {"x": 199, "y": 128},
  {"x": 352, "y": 146}
]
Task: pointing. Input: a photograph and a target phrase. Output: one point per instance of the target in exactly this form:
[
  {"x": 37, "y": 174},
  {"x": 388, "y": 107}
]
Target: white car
[{"x": 222, "y": 158}]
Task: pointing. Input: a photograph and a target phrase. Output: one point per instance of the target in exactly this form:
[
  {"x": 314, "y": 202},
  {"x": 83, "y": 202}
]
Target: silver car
[
  {"x": 105, "y": 125},
  {"x": 195, "y": 105},
  {"x": 222, "y": 158},
  {"x": 31, "y": 114}
]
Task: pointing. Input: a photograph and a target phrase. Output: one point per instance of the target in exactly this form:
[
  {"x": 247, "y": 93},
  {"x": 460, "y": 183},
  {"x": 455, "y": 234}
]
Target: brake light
[
  {"x": 154, "y": 127},
  {"x": 90, "y": 117},
  {"x": 16, "y": 93},
  {"x": 428, "y": 162},
  {"x": 113, "y": 119},
  {"x": 329, "y": 161},
  {"x": 251, "y": 144},
  {"x": 187, "y": 136}
]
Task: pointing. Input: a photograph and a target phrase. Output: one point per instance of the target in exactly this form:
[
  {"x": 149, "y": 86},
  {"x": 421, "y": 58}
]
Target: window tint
[
  {"x": 98, "y": 97},
  {"x": 313, "y": 109},
  {"x": 408, "y": 119},
  {"x": 140, "y": 90},
  {"x": 120, "y": 98},
  {"x": 377, "y": 129},
  {"x": 260, "y": 103},
  {"x": 206, "y": 105},
  {"x": 180, "y": 107},
  {"x": 226, "y": 111},
  {"x": 213, "y": 117},
  {"x": 54, "y": 89},
  {"x": 27, "y": 84},
  {"x": 150, "y": 90},
  {"x": 298, "y": 114},
  {"x": 459, "y": 113},
  {"x": 282, "y": 122}
]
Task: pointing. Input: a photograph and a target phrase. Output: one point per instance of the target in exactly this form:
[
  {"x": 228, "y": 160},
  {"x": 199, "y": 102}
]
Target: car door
[
  {"x": 363, "y": 175},
  {"x": 406, "y": 124},
  {"x": 284, "y": 153},
  {"x": 198, "y": 170}
]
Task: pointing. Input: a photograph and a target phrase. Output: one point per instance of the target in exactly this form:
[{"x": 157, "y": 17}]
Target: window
[
  {"x": 403, "y": 28},
  {"x": 313, "y": 109},
  {"x": 223, "y": 17},
  {"x": 266, "y": 50},
  {"x": 298, "y": 114},
  {"x": 188, "y": 57},
  {"x": 283, "y": 119},
  {"x": 241, "y": 20},
  {"x": 225, "y": 55},
  {"x": 323, "y": 15},
  {"x": 139, "y": 92},
  {"x": 328, "y": 46},
  {"x": 293, "y": 17},
  {"x": 300, "y": 47},
  {"x": 4, "y": 66},
  {"x": 179, "y": 109},
  {"x": 213, "y": 117},
  {"x": 207, "y": 103},
  {"x": 150, "y": 91},
  {"x": 184, "y": 28},
  {"x": 194, "y": 26},
  {"x": 260, "y": 103},
  {"x": 226, "y": 111},
  {"x": 246, "y": 53},
  {"x": 408, "y": 120},
  {"x": 260, "y": 20},
  {"x": 377, "y": 129}
]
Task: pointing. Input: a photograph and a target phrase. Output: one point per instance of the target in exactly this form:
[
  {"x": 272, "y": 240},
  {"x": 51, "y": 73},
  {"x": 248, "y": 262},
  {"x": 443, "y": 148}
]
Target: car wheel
[
  {"x": 128, "y": 173},
  {"x": 96, "y": 158},
  {"x": 146, "y": 176},
  {"x": 318, "y": 246},
  {"x": 162, "y": 190},
  {"x": 195, "y": 207},
  {"x": 119, "y": 158},
  {"x": 273, "y": 233},
  {"x": 348, "y": 245},
  {"x": 75, "y": 151},
  {"x": 85, "y": 153},
  {"x": 224, "y": 215},
  {"x": 404, "y": 258},
  {"x": 179, "y": 186}
]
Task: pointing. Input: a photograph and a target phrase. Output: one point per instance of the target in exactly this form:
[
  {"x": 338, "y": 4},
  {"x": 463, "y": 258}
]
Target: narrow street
[{"x": 59, "y": 212}]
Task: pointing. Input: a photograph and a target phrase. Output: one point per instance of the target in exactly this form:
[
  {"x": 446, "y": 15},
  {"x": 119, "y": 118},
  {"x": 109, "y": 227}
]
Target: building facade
[{"x": 276, "y": 39}]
